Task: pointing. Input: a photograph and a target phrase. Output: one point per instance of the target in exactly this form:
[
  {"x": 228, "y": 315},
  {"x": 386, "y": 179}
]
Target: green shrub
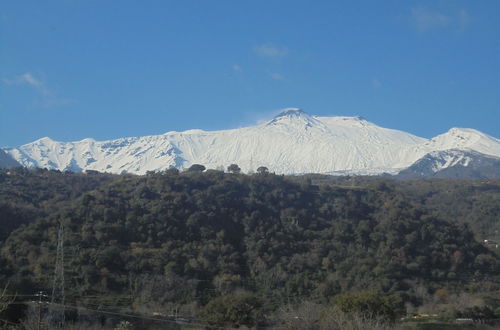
[
  {"x": 370, "y": 304},
  {"x": 233, "y": 310}
]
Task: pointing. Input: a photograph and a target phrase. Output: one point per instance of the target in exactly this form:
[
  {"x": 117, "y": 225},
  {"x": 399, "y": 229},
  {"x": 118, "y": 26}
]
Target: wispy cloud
[
  {"x": 260, "y": 117},
  {"x": 270, "y": 50},
  {"x": 376, "y": 83},
  {"x": 28, "y": 79},
  {"x": 236, "y": 68},
  {"x": 426, "y": 19},
  {"x": 464, "y": 18},
  {"x": 276, "y": 76},
  {"x": 48, "y": 97}
]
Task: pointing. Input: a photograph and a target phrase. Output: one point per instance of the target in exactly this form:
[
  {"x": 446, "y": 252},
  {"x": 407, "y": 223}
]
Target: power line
[
  {"x": 8, "y": 322},
  {"x": 58, "y": 295},
  {"x": 98, "y": 311}
]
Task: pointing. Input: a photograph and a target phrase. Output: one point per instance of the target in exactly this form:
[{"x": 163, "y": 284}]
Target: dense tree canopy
[{"x": 190, "y": 237}]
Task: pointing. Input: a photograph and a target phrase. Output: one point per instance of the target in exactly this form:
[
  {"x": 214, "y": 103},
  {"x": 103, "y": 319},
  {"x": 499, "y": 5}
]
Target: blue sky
[{"x": 71, "y": 69}]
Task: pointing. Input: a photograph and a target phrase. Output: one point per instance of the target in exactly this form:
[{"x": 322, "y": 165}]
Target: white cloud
[
  {"x": 27, "y": 79},
  {"x": 277, "y": 76},
  {"x": 52, "y": 101},
  {"x": 270, "y": 50},
  {"x": 426, "y": 19},
  {"x": 236, "y": 68},
  {"x": 48, "y": 97},
  {"x": 464, "y": 18},
  {"x": 376, "y": 83}
]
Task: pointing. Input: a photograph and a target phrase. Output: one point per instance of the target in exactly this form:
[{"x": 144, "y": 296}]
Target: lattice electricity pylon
[{"x": 58, "y": 297}]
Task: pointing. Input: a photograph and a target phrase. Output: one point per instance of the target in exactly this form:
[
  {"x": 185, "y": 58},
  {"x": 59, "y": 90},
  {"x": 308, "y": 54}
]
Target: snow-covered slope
[
  {"x": 293, "y": 142},
  {"x": 464, "y": 139},
  {"x": 454, "y": 163}
]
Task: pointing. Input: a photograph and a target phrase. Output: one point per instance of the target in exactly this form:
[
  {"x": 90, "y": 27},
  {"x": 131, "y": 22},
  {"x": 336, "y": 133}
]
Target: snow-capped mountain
[{"x": 293, "y": 142}]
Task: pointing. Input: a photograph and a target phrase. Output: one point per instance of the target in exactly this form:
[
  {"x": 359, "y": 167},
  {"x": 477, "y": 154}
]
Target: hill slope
[
  {"x": 6, "y": 161},
  {"x": 191, "y": 236}
]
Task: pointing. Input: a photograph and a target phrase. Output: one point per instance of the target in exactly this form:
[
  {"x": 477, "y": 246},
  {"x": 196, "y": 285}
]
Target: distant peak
[
  {"x": 462, "y": 133},
  {"x": 44, "y": 140},
  {"x": 458, "y": 130},
  {"x": 295, "y": 117},
  {"x": 291, "y": 112}
]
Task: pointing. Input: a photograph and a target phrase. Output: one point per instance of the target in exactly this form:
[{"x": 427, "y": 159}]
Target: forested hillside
[
  {"x": 475, "y": 202},
  {"x": 29, "y": 195},
  {"x": 184, "y": 239}
]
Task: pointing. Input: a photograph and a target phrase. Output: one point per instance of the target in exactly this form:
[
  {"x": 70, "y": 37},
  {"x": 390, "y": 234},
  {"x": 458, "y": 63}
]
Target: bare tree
[
  {"x": 5, "y": 300},
  {"x": 304, "y": 316},
  {"x": 311, "y": 316},
  {"x": 34, "y": 320},
  {"x": 334, "y": 319}
]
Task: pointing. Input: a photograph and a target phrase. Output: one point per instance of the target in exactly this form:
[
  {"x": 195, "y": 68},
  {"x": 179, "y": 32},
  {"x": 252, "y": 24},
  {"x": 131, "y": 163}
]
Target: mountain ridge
[
  {"x": 453, "y": 164},
  {"x": 293, "y": 142}
]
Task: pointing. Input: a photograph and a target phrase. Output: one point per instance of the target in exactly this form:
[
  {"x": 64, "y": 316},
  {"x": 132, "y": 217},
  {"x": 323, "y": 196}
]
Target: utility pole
[
  {"x": 39, "y": 310},
  {"x": 40, "y": 295},
  {"x": 58, "y": 296}
]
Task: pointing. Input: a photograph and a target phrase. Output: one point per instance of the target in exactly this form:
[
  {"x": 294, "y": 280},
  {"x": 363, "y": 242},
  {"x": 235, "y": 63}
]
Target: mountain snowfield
[{"x": 293, "y": 142}]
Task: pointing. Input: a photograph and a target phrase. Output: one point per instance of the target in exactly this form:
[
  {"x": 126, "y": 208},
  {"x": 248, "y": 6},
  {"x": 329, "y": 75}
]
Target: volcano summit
[{"x": 293, "y": 142}]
